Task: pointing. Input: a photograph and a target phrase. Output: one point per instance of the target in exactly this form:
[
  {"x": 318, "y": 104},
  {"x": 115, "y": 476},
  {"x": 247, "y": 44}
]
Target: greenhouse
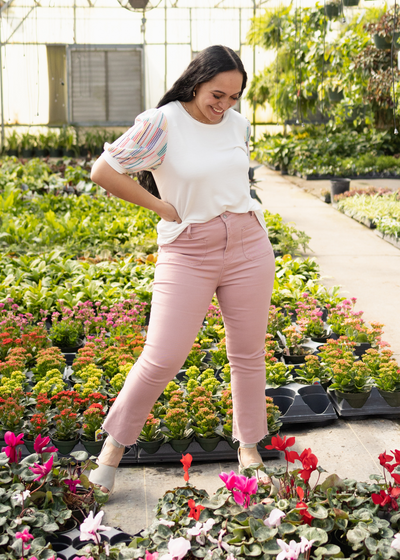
[{"x": 199, "y": 280}]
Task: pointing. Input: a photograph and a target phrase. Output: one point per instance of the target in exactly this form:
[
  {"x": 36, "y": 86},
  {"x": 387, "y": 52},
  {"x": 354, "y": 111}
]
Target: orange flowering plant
[{"x": 92, "y": 420}]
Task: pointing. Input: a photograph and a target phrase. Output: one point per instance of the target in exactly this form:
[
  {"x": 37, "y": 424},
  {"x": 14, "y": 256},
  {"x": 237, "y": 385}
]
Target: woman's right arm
[{"x": 125, "y": 187}]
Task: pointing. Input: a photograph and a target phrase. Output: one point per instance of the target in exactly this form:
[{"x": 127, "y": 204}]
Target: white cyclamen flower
[
  {"x": 20, "y": 497},
  {"x": 166, "y": 522},
  {"x": 274, "y": 519},
  {"x": 396, "y": 542}
]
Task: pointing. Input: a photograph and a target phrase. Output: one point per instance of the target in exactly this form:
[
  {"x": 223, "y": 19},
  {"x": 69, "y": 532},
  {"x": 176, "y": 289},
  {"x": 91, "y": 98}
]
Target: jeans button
[{"x": 224, "y": 216}]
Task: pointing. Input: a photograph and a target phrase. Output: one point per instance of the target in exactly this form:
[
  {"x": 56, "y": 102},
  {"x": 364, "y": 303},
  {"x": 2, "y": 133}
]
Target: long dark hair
[{"x": 203, "y": 68}]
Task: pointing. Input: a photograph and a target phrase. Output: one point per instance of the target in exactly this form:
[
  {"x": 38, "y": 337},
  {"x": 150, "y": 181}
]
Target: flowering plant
[
  {"x": 294, "y": 338},
  {"x": 195, "y": 357},
  {"x": 278, "y": 374},
  {"x": 67, "y": 332},
  {"x": 178, "y": 424},
  {"x": 38, "y": 495},
  {"x": 93, "y": 418},
  {"x": 151, "y": 430},
  {"x": 48, "y": 359},
  {"x": 38, "y": 424},
  {"x": 11, "y": 415},
  {"x": 66, "y": 425}
]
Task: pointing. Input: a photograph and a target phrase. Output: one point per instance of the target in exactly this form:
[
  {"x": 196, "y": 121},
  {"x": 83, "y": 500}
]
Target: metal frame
[
  {"x": 76, "y": 47},
  {"x": 219, "y": 4}
]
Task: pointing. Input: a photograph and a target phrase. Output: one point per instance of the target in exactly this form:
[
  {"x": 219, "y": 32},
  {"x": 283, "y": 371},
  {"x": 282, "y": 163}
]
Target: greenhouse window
[{"x": 104, "y": 85}]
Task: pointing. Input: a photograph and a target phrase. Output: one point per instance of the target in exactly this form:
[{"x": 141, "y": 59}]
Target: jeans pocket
[
  {"x": 185, "y": 250},
  {"x": 255, "y": 242}
]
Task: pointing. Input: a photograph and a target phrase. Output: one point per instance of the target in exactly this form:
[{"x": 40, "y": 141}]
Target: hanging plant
[
  {"x": 386, "y": 31},
  {"x": 333, "y": 9}
]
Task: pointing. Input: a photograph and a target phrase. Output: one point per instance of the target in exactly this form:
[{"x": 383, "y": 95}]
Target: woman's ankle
[{"x": 110, "y": 454}]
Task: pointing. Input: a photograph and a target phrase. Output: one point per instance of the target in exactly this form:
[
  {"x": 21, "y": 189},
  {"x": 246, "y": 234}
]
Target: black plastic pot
[
  {"x": 332, "y": 10},
  {"x": 361, "y": 348},
  {"x": 385, "y": 42},
  {"x": 355, "y": 400},
  {"x": 350, "y": 3},
  {"x": 335, "y": 95},
  {"x": 339, "y": 186}
]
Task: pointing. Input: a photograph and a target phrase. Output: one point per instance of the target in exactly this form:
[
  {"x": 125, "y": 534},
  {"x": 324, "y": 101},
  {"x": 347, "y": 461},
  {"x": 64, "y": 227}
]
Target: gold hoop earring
[{"x": 194, "y": 93}]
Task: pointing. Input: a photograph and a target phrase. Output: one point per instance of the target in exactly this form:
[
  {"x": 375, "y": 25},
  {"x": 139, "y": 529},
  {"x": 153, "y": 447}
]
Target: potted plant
[
  {"x": 47, "y": 359},
  {"x": 11, "y": 416},
  {"x": 65, "y": 433},
  {"x": 42, "y": 149},
  {"x": 66, "y": 334},
  {"x": 351, "y": 381},
  {"x": 195, "y": 357},
  {"x": 335, "y": 88},
  {"x": 313, "y": 371},
  {"x": 333, "y": 8},
  {"x": 278, "y": 374},
  {"x": 205, "y": 419},
  {"x": 92, "y": 436},
  {"x": 385, "y": 372},
  {"x": 66, "y": 141},
  {"x": 151, "y": 437},
  {"x": 53, "y": 143},
  {"x": 293, "y": 339},
  {"x": 51, "y": 383},
  {"x": 178, "y": 429},
  {"x": 13, "y": 143},
  {"x": 386, "y": 31},
  {"x": 226, "y": 411},
  {"x": 28, "y": 145},
  {"x": 38, "y": 424}
]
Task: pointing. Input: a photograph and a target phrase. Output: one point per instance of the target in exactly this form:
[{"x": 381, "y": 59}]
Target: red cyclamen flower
[
  {"x": 309, "y": 462},
  {"x": 280, "y": 444},
  {"x": 186, "y": 462},
  {"x": 195, "y": 511}
]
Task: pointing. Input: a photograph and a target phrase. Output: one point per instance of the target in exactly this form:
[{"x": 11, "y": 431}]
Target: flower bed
[
  {"x": 287, "y": 514},
  {"x": 383, "y": 211}
]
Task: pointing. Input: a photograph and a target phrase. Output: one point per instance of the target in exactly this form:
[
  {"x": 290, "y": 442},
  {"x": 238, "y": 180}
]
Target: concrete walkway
[{"x": 366, "y": 267}]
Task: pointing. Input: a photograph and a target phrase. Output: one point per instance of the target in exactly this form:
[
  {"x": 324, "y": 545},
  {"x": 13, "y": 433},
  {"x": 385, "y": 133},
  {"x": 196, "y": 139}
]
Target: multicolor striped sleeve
[
  {"x": 248, "y": 136},
  {"x": 142, "y": 147}
]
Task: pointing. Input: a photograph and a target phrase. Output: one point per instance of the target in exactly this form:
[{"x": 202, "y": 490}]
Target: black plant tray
[
  {"x": 137, "y": 456},
  {"x": 223, "y": 452},
  {"x": 375, "y": 406},
  {"x": 302, "y": 403},
  {"x": 68, "y": 545}
]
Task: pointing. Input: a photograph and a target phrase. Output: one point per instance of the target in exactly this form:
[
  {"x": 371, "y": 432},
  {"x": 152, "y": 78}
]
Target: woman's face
[{"x": 215, "y": 97}]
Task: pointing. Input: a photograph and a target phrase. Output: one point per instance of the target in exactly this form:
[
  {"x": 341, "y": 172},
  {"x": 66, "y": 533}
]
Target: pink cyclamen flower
[
  {"x": 12, "y": 442},
  {"x": 150, "y": 556},
  {"x": 228, "y": 479},
  {"x": 42, "y": 470},
  {"x": 40, "y": 445},
  {"x": 178, "y": 548},
  {"x": 274, "y": 519},
  {"x": 90, "y": 527},
  {"x": 72, "y": 484},
  {"x": 24, "y": 535},
  {"x": 396, "y": 542}
]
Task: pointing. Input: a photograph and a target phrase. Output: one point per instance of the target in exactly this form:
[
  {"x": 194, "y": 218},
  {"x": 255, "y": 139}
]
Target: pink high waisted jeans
[{"x": 231, "y": 256}]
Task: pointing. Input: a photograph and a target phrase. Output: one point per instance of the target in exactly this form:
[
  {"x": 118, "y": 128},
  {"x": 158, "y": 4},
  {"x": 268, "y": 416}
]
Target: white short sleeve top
[{"x": 201, "y": 169}]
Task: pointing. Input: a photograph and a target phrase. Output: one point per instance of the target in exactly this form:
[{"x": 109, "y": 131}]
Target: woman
[{"x": 212, "y": 239}]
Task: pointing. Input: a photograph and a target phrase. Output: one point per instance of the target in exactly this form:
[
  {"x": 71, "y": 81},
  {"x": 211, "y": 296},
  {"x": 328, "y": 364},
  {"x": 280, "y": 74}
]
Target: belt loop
[
  {"x": 252, "y": 213},
  {"x": 189, "y": 231}
]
